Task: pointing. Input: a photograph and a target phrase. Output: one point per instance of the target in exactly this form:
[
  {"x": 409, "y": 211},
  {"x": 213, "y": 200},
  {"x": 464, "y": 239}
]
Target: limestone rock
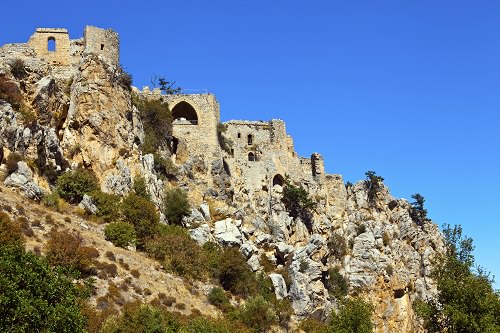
[
  {"x": 226, "y": 232},
  {"x": 22, "y": 179},
  {"x": 279, "y": 285}
]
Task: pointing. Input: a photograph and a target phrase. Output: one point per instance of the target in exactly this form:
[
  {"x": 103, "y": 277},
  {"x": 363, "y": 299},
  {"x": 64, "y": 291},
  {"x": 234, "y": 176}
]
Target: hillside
[{"x": 72, "y": 112}]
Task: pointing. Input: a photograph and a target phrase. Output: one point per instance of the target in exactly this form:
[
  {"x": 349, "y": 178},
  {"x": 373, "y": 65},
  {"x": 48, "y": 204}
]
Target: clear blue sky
[{"x": 410, "y": 89}]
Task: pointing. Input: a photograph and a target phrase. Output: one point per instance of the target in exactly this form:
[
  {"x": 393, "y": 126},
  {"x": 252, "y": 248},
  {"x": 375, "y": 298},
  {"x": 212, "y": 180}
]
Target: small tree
[
  {"x": 354, "y": 315},
  {"x": 466, "y": 301},
  {"x": 34, "y": 297},
  {"x": 176, "y": 205},
  {"x": 121, "y": 234},
  {"x": 167, "y": 87},
  {"x": 142, "y": 214},
  {"x": 373, "y": 185},
  {"x": 296, "y": 200},
  {"x": 72, "y": 185},
  {"x": 417, "y": 212}
]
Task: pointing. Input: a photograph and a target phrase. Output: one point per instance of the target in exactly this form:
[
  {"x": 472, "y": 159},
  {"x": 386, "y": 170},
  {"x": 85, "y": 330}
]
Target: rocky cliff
[{"x": 56, "y": 118}]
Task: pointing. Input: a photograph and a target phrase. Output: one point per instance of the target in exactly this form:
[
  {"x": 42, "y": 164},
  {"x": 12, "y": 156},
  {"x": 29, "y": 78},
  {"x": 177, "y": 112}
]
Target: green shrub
[
  {"x": 142, "y": 214},
  {"x": 258, "y": 314},
  {"x": 386, "y": 239},
  {"x": 417, "y": 211},
  {"x": 217, "y": 297},
  {"x": 176, "y": 205},
  {"x": 140, "y": 187},
  {"x": 179, "y": 253},
  {"x": 121, "y": 234},
  {"x": 354, "y": 315},
  {"x": 72, "y": 185},
  {"x": 336, "y": 284},
  {"x": 108, "y": 205},
  {"x": 157, "y": 121},
  {"x": 34, "y": 297},
  {"x": 373, "y": 185},
  {"x": 234, "y": 274},
  {"x": 296, "y": 200},
  {"x": 51, "y": 200},
  {"x": 140, "y": 318}
]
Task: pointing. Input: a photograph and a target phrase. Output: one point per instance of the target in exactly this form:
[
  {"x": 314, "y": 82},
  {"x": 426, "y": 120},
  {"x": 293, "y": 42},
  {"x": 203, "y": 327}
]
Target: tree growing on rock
[
  {"x": 417, "y": 212},
  {"x": 373, "y": 184},
  {"x": 466, "y": 301},
  {"x": 296, "y": 200}
]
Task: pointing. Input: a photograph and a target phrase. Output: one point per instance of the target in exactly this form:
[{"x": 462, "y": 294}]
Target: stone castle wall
[
  {"x": 54, "y": 46},
  {"x": 41, "y": 39}
]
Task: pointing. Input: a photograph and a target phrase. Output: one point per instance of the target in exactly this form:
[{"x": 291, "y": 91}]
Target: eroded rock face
[{"x": 98, "y": 128}]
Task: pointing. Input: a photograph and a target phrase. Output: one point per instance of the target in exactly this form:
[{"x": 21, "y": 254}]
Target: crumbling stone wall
[
  {"x": 103, "y": 42},
  {"x": 40, "y": 40}
]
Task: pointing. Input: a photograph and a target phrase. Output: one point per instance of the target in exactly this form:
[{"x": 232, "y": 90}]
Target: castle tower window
[
  {"x": 278, "y": 180},
  {"x": 183, "y": 112},
  {"x": 102, "y": 47},
  {"x": 251, "y": 157},
  {"x": 51, "y": 44},
  {"x": 239, "y": 135},
  {"x": 250, "y": 139}
]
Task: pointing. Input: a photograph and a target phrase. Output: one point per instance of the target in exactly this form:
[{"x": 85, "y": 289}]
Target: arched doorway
[
  {"x": 183, "y": 111},
  {"x": 251, "y": 157},
  {"x": 278, "y": 180}
]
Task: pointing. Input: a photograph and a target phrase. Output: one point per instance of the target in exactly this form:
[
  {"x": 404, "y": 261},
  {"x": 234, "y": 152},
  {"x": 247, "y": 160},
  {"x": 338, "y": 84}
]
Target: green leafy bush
[
  {"x": 336, "y": 284},
  {"x": 176, "y": 205},
  {"x": 258, "y": 314},
  {"x": 217, "y": 297},
  {"x": 108, "y": 205},
  {"x": 140, "y": 187},
  {"x": 121, "y": 234},
  {"x": 354, "y": 315},
  {"x": 234, "y": 274},
  {"x": 51, "y": 200},
  {"x": 18, "y": 69},
  {"x": 34, "y": 297},
  {"x": 157, "y": 121},
  {"x": 142, "y": 214},
  {"x": 466, "y": 300},
  {"x": 72, "y": 185},
  {"x": 179, "y": 254},
  {"x": 296, "y": 200}
]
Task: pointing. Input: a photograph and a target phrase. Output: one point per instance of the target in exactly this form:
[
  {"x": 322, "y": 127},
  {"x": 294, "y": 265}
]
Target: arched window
[
  {"x": 51, "y": 44},
  {"x": 278, "y": 180},
  {"x": 183, "y": 111},
  {"x": 250, "y": 139},
  {"x": 251, "y": 157}
]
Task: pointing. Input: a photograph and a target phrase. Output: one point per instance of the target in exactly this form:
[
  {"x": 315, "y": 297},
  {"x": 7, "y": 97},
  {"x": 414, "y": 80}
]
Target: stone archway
[{"x": 183, "y": 112}]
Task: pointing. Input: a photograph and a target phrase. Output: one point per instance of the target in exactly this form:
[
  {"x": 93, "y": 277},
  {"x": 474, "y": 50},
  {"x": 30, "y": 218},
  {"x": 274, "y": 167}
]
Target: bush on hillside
[
  {"x": 296, "y": 200},
  {"x": 142, "y": 214},
  {"x": 218, "y": 298},
  {"x": 176, "y": 205},
  {"x": 157, "y": 121},
  {"x": 354, "y": 315},
  {"x": 108, "y": 205},
  {"x": 34, "y": 297},
  {"x": 140, "y": 187},
  {"x": 258, "y": 314},
  {"x": 11, "y": 232},
  {"x": 65, "y": 248},
  {"x": 373, "y": 184},
  {"x": 121, "y": 234},
  {"x": 72, "y": 185}
]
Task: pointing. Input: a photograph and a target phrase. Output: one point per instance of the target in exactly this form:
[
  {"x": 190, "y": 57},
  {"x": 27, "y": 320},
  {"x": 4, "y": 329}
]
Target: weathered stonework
[{"x": 54, "y": 46}]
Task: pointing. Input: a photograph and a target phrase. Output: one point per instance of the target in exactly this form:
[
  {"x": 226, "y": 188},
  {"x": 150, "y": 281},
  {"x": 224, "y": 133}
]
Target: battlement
[{"x": 52, "y": 30}]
